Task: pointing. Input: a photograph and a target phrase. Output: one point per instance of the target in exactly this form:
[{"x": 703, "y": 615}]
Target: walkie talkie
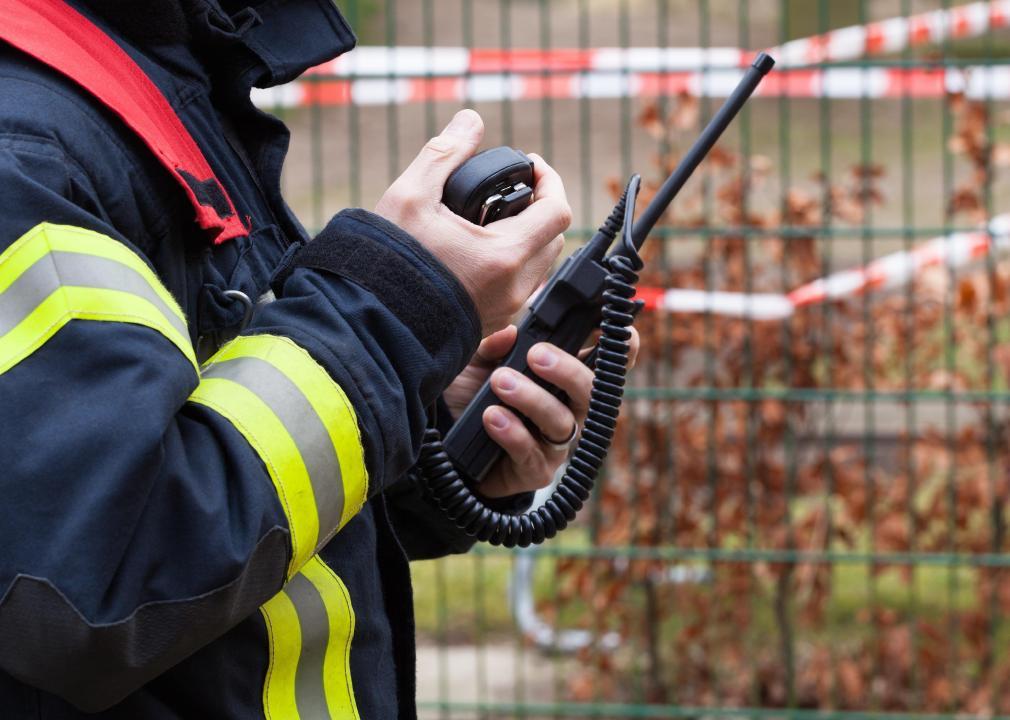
[
  {"x": 592, "y": 288},
  {"x": 492, "y": 185}
]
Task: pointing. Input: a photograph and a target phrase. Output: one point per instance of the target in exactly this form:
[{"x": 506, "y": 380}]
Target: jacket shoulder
[
  {"x": 36, "y": 101},
  {"x": 111, "y": 168}
]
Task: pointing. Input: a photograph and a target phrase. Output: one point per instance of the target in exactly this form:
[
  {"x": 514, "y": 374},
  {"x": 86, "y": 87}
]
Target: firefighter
[{"x": 208, "y": 426}]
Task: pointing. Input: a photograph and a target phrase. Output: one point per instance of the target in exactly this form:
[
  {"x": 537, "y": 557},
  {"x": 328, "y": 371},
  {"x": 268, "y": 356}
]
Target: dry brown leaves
[{"x": 770, "y": 628}]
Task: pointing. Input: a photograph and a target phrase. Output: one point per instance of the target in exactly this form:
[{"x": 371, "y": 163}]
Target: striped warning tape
[
  {"x": 896, "y": 34},
  {"x": 977, "y": 82},
  {"x": 896, "y": 269},
  {"x": 379, "y": 75},
  {"x": 849, "y": 43}
]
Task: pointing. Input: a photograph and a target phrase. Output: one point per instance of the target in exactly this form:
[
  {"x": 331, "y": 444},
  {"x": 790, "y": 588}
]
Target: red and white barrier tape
[
  {"x": 896, "y": 34},
  {"x": 890, "y": 271},
  {"x": 849, "y": 43},
  {"x": 980, "y": 82},
  {"x": 380, "y": 75},
  {"x": 420, "y": 61}
]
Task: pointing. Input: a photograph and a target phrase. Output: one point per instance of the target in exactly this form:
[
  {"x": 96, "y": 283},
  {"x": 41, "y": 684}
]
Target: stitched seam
[
  {"x": 132, "y": 616},
  {"x": 102, "y": 125},
  {"x": 69, "y": 315},
  {"x": 347, "y": 647},
  {"x": 22, "y": 144},
  {"x": 271, "y": 648},
  {"x": 84, "y": 232},
  {"x": 357, "y": 425},
  {"x": 97, "y": 121},
  {"x": 454, "y": 286},
  {"x": 327, "y": 6}
]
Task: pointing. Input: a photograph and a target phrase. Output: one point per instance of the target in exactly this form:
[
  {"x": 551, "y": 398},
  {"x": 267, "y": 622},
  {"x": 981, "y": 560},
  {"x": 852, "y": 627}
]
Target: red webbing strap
[{"x": 56, "y": 34}]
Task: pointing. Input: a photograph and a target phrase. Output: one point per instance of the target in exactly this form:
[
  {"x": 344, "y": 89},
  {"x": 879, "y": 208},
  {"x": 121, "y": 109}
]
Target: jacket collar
[
  {"x": 294, "y": 35},
  {"x": 284, "y": 38}
]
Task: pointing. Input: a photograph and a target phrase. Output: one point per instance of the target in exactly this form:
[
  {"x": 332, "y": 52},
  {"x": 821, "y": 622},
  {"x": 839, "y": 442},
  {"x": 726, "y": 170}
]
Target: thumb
[
  {"x": 495, "y": 346},
  {"x": 444, "y": 153}
]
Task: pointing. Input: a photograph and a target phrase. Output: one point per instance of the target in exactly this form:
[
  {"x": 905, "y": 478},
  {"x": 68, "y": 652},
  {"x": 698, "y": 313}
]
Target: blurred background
[{"x": 804, "y": 514}]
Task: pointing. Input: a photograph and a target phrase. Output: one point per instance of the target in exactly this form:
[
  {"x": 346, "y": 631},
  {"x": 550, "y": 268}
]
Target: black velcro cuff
[{"x": 393, "y": 266}]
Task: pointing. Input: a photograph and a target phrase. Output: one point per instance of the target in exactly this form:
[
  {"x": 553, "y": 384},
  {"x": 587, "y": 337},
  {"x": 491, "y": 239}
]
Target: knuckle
[
  {"x": 504, "y": 264},
  {"x": 557, "y": 212},
  {"x": 515, "y": 302},
  {"x": 439, "y": 147},
  {"x": 562, "y": 426},
  {"x": 564, "y": 213},
  {"x": 400, "y": 200}
]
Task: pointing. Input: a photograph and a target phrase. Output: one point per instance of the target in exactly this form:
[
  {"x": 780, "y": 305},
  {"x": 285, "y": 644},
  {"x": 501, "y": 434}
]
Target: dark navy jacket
[{"x": 153, "y": 508}]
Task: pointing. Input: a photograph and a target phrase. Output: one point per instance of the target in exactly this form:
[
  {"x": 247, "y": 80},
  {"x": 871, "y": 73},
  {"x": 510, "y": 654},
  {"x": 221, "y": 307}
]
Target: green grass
[
  {"x": 461, "y": 596},
  {"x": 464, "y": 598}
]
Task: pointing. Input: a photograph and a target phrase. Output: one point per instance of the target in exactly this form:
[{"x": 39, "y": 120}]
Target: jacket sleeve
[{"x": 150, "y": 504}]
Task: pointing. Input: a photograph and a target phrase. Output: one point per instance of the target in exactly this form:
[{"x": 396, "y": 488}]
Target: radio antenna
[{"x": 762, "y": 64}]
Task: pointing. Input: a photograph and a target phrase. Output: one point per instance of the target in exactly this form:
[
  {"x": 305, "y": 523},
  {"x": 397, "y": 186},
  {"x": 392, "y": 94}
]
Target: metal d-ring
[{"x": 246, "y": 303}]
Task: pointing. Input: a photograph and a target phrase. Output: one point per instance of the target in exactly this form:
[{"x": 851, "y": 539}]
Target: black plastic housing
[
  {"x": 568, "y": 307},
  {"x": 565, "y": 313},
  {"x": 502, "y": 174}
]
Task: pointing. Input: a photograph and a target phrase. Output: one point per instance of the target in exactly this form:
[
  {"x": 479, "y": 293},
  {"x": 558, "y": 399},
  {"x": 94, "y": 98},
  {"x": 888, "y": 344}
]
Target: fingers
[
  {"x": 566, "y": 372},
  {"x": 553, "y": 418},
  {"x": 549, "y": 215},
  {"x": 443, "y": 154},
  {"x": 525, "y": 452},
  {"x": 636, "y": 344},
  {"x": 547, "y": 182},
  {"x": 495, "y": 346}
]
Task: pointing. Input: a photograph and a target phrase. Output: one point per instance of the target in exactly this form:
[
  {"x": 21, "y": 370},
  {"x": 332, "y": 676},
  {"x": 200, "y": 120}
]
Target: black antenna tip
[{"x": 763, "y": 62}]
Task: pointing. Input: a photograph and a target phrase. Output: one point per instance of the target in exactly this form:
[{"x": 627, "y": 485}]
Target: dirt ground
[{"x": 495, "y": 672}]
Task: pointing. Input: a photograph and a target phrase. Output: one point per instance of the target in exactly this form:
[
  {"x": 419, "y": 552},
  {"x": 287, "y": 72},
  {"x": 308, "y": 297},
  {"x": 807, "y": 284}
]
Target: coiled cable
[{"x": 463, "y": 506}]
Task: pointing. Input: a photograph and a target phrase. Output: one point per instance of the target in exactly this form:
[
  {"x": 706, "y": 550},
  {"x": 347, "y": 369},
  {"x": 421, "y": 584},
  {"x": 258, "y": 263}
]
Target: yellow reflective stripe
[
  {"x": 340, "y": 613},
  {"x": 47, "y": 237},
  {"x": 254, "y": 419},
  {"x": 57, "y": 273},
  {"x": 292, "y": 672},
  {"x": 284, "y": 636},
  {"x": 81, "y": 303},
  {"x": 327, "y": 399}
]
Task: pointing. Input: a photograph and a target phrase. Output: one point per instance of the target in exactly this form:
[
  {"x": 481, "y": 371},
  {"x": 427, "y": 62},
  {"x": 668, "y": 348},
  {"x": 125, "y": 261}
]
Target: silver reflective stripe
[
  {"x": 304, "y": 426},
  {"x": 64, "y": 269},
  {"x": 310, "y": 694}
]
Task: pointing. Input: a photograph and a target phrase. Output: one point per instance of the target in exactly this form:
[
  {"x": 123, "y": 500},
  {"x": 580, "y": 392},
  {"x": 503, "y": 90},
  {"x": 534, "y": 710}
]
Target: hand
[
  {"x": 499, "y": 265},
  {"x": 530, "y": 463}
]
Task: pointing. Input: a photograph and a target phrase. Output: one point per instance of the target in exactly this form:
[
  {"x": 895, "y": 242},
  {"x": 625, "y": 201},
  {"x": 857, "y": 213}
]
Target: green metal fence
[{"x": 803, "y": 517}]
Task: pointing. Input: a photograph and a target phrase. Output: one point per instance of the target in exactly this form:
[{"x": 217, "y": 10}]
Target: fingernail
[
  {"x": 506, "y": 381},
  {"x": 462, "y": 124},
  {"x": 498, "y": 419},
  {"x": 543, "y": 357}
]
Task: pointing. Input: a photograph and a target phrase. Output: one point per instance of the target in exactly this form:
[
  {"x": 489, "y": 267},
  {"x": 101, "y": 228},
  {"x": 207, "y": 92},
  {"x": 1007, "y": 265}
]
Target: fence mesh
[{"x": 804, "y": 515}]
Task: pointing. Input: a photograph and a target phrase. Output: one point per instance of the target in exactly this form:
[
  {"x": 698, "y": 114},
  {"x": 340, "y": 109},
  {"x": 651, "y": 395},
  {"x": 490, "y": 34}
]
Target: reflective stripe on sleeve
[
  {"x": 57, "y": 273},
  {"x": 301, "y": 425},
  {"x": 310, "y": 624}
]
